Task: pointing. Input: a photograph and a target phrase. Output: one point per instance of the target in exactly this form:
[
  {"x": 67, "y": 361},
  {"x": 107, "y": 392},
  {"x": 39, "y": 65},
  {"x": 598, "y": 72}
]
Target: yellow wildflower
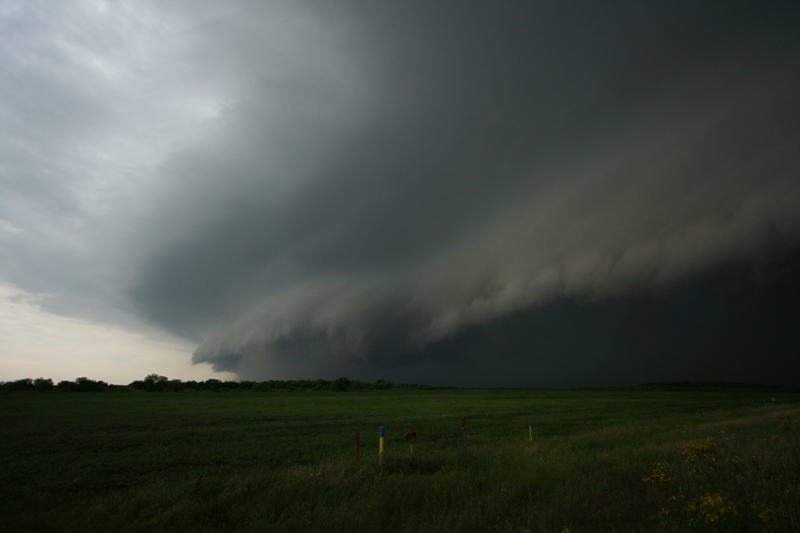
[{"x": 768, "y": 515}]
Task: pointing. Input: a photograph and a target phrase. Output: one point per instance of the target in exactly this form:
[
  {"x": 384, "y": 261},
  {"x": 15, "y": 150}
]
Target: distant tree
[
  {"x": 155, "y": 383},
  {"x": 341, "y": 384},
  {"x": 20, "y": 384},
  {"x": 212, "y": 384},
  {"x": 383, "y": 385},
  {"x": 66, "y": 386},
  {"x": 43, "y": 385},
  {"x": 173, "y": 385},
  {"x": 84, "y": 384}
]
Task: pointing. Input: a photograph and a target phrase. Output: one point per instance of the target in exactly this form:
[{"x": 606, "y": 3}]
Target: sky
[{"x": 479, "y": 194}]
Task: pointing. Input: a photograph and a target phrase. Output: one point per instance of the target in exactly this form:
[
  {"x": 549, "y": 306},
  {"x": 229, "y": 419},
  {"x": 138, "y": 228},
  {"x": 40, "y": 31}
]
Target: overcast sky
[{"x": 521, "y": 194}]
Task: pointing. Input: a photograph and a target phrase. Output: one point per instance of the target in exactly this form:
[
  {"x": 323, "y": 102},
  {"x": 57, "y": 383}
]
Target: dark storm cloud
[
  {"x": 418, "y": 171},
  {"x": 407, "y": 189}
]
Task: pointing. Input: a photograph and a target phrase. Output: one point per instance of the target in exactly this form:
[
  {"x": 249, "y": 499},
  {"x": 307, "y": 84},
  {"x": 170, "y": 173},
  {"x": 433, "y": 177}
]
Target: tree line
[
  {"x": 158, "y": 383},
  {"x": 82, "y": 384}
]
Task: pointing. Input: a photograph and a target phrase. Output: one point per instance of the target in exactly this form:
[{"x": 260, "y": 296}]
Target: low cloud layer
[{"x": 359, "y": 189}]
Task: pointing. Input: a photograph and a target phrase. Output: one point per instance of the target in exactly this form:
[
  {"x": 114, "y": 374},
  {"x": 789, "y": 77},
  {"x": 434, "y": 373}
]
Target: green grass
[{"x": 632, "y": 460}]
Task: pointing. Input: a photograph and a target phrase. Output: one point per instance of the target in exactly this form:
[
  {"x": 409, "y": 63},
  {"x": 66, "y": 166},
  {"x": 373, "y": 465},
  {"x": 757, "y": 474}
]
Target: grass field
[{"x": 626, "y": 460}]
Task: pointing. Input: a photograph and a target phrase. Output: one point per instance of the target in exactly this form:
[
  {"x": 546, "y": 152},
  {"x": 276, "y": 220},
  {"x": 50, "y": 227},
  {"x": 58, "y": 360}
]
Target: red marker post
[
  {"x": 382, "y": 445},
  {"x": 411, "y": 438}
]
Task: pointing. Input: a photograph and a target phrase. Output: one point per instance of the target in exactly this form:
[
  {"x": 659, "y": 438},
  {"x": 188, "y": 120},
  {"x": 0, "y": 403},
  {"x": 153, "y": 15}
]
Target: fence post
[{"x": 382, "y": 445}]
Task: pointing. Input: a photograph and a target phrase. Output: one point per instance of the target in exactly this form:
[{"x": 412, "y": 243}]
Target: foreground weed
[
  {"x": 716, "y": 488},
  {"x": 663, "y": 472},
  {"x": 711, "y": 509},
  {"x": 705, "y": 450}
]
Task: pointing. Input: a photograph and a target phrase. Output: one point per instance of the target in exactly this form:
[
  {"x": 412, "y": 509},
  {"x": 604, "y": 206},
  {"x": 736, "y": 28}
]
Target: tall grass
[{"x": 599, "y": 461}]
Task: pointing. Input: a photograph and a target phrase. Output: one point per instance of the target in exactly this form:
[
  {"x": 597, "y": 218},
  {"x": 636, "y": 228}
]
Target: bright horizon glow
[{"x": 35, "y": 343}]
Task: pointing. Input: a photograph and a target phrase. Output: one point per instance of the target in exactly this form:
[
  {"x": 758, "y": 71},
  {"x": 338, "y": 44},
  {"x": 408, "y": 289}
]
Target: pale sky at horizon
[{"x": 41, "y": 344}]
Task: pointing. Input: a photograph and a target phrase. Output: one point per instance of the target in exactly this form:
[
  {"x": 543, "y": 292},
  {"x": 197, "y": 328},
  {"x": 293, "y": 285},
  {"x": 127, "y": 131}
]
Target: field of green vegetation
[{"x": 599, "y": 460}]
